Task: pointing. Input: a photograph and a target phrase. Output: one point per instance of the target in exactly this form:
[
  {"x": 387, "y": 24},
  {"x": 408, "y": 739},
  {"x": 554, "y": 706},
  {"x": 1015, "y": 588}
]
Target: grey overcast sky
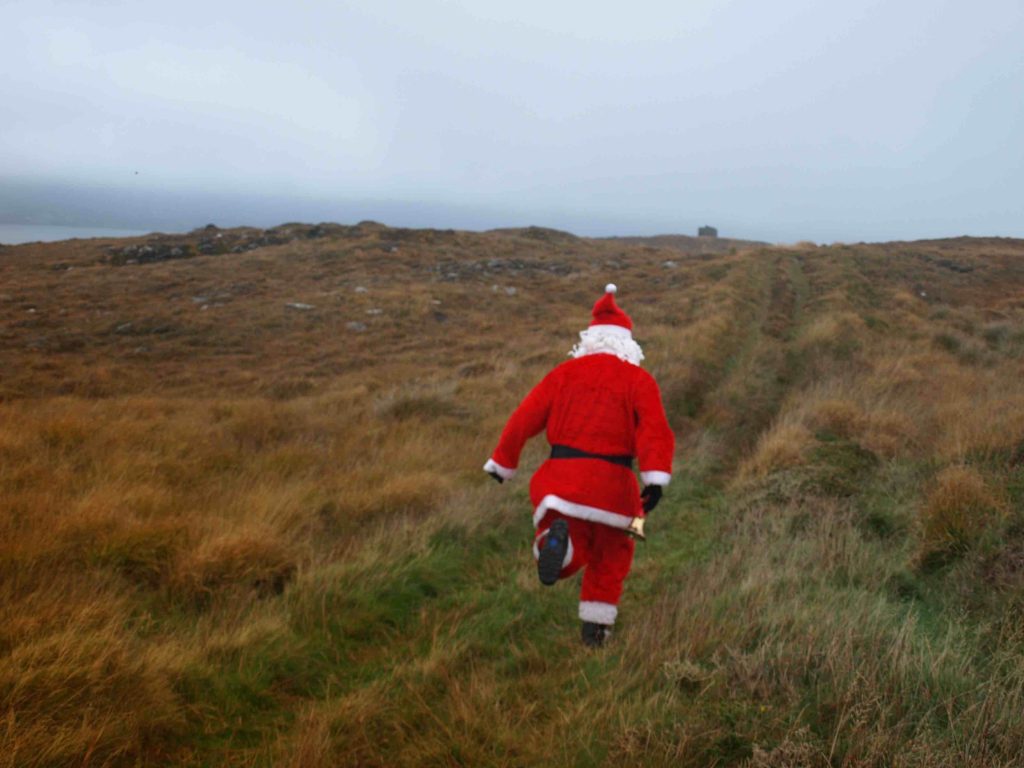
[{"x": 783, "y": 120}]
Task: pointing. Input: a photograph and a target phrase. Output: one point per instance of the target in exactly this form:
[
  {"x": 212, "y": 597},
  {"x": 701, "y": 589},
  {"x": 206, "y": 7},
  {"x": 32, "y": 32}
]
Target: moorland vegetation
[{"x": 243, "y": 521}]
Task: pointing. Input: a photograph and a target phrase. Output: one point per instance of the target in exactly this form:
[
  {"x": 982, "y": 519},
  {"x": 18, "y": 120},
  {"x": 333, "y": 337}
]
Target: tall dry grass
[{"x": 257, "y": 535}]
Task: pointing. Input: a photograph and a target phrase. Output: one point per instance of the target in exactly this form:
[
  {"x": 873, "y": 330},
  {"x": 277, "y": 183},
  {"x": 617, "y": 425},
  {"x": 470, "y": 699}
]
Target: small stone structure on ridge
[{"x": 707, "y": 231}]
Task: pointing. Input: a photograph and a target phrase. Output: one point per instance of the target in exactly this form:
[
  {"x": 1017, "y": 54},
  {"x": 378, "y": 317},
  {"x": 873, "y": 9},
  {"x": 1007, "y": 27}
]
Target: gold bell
[{"x": 636, "y": 528}]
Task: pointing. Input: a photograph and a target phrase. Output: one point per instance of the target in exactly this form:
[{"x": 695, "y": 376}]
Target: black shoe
[
  {"x": 594, "y": 634},
  {"x": 552, "y": 553}
]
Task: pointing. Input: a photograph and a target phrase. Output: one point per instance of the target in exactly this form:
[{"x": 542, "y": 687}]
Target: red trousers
[{"x": 607, "y": 555}]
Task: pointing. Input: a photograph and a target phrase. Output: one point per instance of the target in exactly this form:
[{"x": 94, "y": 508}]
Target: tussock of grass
[
  {"x": 85, "y": 686},
  {"x": 249, "y": 560},
  {"x": 780, "y": 448},
  {"x": 956, "y": 511},
  {"x": 839, "y": 418},
  {"x": 836, "y": 334}
]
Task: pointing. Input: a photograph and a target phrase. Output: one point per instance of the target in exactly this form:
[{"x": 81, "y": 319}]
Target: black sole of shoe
[
  {"x": 594, "y": 635},
  {"x": 549, "y": 564}
]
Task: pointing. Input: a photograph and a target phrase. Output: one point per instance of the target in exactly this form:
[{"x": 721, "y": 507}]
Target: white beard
[{"x": 596, "y": 342}]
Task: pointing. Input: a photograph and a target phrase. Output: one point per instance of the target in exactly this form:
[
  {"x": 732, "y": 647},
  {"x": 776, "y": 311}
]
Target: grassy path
[
  {"x": 460, "y": 629},
  {"x": 458, "y": 641}
]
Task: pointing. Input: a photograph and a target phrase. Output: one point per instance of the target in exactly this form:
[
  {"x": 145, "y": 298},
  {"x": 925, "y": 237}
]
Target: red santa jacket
[{"x": 601, "y": 405}]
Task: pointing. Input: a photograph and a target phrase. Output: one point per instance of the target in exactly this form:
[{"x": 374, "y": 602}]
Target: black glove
[
  {"x": 497, "y": 477},
  {"x": 651, "y": 496}
]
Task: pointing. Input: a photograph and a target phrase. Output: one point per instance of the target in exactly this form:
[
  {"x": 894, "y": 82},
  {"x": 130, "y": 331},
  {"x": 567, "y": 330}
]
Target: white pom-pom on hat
[{"x": 606, "y": 312}]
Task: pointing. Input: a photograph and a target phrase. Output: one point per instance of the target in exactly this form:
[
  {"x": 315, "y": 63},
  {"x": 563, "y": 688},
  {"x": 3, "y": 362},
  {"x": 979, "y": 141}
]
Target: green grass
[{"x": 354, "y": 627}]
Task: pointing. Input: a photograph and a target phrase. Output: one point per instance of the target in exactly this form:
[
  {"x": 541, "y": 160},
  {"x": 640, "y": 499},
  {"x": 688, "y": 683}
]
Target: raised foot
[{"x": 552, "y": 552}]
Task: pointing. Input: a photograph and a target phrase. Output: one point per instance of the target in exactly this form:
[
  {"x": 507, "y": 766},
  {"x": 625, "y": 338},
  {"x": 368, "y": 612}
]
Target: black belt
[{"x": 565, "y": 452}]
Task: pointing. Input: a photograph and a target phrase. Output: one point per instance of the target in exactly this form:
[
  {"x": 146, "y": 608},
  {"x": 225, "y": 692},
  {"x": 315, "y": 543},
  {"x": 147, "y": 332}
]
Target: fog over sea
[{"x": 13, "y": 234}]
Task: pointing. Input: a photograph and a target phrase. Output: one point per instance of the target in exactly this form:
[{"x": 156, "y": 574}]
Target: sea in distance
[{"x": 13, "y": 234}]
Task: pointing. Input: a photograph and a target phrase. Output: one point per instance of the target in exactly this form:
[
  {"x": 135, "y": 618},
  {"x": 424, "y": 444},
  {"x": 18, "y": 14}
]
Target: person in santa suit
[{"x": 601, "y": 411}]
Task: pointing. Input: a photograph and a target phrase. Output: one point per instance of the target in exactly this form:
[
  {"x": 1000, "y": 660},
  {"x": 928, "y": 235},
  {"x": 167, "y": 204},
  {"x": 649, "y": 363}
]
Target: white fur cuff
[
  {"x": 599, "y": 613},
  {"x": 503, "y": 472},
  {"x": 654, "y": 477}
]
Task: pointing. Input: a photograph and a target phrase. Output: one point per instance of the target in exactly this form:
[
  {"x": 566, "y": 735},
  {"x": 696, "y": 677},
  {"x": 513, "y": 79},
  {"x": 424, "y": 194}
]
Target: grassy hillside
[{"x": 243, "y": 522}]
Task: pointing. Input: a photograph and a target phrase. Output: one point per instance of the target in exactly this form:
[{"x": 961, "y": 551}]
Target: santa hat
[
  {"x": 608, "y": 317},
  {"x": 610, "y": 332}
]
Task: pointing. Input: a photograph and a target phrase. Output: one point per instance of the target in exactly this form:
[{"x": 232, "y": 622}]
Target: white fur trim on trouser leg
[
  {"x": 536, "y": 549},
  {"x": 581, "y": 511},
  {"x": 503, "y": 472},
  {"x": 599, "y": 613},
  {"x": 654, "y": 477}
]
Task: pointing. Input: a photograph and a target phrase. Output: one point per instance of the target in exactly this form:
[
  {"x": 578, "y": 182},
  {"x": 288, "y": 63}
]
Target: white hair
[{"x": 596, "y": 341}]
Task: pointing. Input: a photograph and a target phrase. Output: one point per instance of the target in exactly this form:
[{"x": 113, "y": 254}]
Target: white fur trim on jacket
[
  {"x": 536, "y": 550},
  {"x": 655, "y": 477},
  {"x": 581, "y": 511},
  {"x": 503, "y": 472},
  {"x": 599, "y": 613}
]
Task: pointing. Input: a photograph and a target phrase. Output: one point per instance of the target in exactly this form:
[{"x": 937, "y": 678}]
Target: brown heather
[{"x": 236, "y": 532}]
